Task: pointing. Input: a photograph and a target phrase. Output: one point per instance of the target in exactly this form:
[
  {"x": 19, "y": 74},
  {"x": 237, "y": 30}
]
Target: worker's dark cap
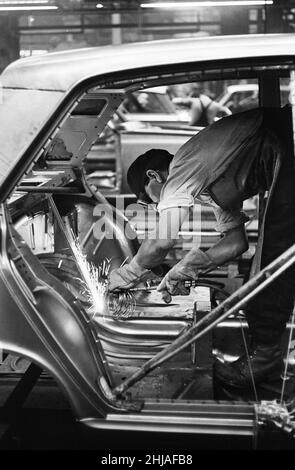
[{"x": 154, "y": 159}]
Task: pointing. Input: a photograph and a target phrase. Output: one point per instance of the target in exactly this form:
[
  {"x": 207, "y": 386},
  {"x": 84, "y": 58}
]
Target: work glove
[
  {"x": 128, "y": 276},
  {"x": 173, "y": 282},
  {"x": 186, "y": 270}
]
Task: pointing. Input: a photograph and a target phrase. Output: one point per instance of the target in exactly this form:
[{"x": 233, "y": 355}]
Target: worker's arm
[
  {"x": 233, "y": 244},
  {"x": 196, "y": 111},
  {"x": 155, "y": 248},
  {"x": 216, "y": 109},
  {"x": 152, "y": 251}
]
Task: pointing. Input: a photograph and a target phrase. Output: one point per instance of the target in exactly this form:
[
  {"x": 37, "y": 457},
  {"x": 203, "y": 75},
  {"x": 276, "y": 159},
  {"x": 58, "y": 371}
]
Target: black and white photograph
[{"x": 147, "y": 230}]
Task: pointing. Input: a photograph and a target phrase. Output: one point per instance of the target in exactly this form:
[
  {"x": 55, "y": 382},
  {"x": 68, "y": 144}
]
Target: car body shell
[
  {"x": 241, "y": 97},
  {"x": 157, "y": 109},
  {"x": 42, "y": 319}
]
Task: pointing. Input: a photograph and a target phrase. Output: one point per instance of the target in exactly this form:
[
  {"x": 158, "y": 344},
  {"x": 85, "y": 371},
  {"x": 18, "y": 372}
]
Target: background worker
[
  {"x": 203, "y": 109},
  {"x": 224, "y": 164}
]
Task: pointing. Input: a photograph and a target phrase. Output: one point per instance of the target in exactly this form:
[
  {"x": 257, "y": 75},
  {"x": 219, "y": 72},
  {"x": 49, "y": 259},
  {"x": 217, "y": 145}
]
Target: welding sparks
[{"x": 95, "y": 279}]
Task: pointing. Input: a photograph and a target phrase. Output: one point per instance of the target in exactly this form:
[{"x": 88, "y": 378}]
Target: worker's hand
[
  {"x": 128, "y": 276},
  {"x": 173, "y": 282}
]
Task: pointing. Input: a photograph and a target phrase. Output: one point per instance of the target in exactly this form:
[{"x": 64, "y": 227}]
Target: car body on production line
[
  {"x": 152, "y": 106},
  {"x": 54, "y": 110},
  {"x": 239, "y": 98}
]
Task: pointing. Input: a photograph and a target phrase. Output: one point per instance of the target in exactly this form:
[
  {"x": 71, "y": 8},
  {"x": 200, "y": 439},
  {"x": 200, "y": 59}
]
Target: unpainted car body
[
  {"x": 71, "y": 96},
  {"x": 152, "y": 106},
  {"x": 245, "y": 96}
]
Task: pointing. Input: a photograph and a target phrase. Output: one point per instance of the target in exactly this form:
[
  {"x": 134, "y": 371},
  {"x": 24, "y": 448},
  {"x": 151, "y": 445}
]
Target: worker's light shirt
[{"x": 201, "y": 160}]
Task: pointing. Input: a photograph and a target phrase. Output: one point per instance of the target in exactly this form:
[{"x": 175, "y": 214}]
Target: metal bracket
[{"x": 275, "y": 413}]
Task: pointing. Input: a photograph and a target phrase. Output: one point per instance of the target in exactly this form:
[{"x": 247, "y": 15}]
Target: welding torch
[
  {"x": 154, "y": 287},
  {"x": 187, "y": 283}
]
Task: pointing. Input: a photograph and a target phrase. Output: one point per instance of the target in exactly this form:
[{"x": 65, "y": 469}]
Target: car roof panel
[{"x": 62, "y": 70}]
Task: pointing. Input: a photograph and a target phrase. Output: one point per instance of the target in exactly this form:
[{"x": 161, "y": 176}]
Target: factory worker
[{"x": 229, "y": 161}]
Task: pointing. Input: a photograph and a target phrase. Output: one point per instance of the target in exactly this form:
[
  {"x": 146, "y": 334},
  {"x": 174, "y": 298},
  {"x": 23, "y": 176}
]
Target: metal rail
[
  {"x": 230, "y": 306},
  {"x": 185, "y": 417},
  {"x": 47, "y": 190}
]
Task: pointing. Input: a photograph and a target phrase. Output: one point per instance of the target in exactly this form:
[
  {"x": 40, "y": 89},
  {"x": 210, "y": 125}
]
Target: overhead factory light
[
  {"x": 9, "y": 3},
  {"x": 16, "y": 7},
  {"x": 26, "y": 5},
  {"x": 222, "y": 3}
]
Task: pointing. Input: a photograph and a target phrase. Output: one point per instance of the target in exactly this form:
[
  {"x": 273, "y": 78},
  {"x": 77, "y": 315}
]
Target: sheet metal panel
[{"x": 61, "y": 70}]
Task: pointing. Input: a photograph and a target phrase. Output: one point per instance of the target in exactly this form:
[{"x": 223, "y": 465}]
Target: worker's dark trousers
[{"x": 269, "y": 312}]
